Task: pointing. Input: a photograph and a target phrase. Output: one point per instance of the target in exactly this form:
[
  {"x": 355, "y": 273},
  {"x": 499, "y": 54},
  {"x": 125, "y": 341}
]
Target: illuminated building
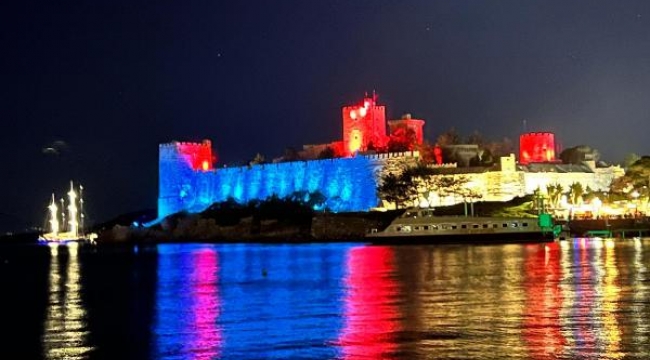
[
  {"x": 364, "y": 131},
  {"x": 364, "y": 126},
  {"x": 408, "y": 123},
  {"x": 536, "y": 147}
]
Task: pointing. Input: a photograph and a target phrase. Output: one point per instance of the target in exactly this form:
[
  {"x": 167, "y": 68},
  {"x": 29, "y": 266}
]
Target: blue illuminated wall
[{"x": 349, "y": 184}]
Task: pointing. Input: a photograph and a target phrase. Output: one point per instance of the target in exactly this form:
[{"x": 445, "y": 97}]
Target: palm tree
[
  {"x": 576, "y": 191},
  {"x": 551, "y": 192},
  {"x": 559, "y": 190}
]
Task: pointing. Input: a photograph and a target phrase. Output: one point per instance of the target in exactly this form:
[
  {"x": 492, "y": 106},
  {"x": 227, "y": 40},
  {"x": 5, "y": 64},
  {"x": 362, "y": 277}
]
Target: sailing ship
[{"x": 67, "y": 226}]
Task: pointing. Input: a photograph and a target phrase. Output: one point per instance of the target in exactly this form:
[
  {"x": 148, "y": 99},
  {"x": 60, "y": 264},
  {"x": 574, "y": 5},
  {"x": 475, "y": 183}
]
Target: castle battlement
[
  {"x": 175, "y": 144},
  {"x": 392, "y": 155},
  {"x": 443, "y": 166}
]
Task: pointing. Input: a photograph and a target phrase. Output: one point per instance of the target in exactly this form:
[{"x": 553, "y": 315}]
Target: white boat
[
  {"x": 421, "y": 226},
  {"x": 72, "y": 230}
]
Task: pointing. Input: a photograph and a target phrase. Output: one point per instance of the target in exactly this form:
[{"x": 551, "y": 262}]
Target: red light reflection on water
[
  {"x": 205, "y": 306},
  {"x": 371, "y": 315},
  {"x": 541, "y": 327}
]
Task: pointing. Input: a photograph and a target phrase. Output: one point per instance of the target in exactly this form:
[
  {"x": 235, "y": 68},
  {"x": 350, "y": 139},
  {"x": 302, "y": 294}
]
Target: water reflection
[
  {"x": 569, "y": 300},
  {"x": 281, "y": 302},
  {"x": 188, "y": 305},
  {"x": 205, "y": 306},
  {"x": 640, "y": 297},
  {"x": 66, "y": 332},
  {"x": 590, "y": 313},
  {"x": 541, "y": 327},
  {"x": 611, "y": 333},
  {"x": 370, "y": 311}
]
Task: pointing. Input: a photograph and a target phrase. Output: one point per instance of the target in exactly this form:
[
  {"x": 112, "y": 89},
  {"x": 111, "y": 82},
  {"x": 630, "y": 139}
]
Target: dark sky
[{"x": 111, "y": 80}]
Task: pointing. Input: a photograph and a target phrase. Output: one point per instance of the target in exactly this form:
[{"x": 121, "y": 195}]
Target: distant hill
[{"x": 139, "y": 217}]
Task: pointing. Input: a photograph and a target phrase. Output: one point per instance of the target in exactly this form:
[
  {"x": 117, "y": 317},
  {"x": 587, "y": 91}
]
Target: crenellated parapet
[
  {"x": 536, "y": 147},
  {"x": 393, "y": 155},
  {"x": 196, "y": 155}
]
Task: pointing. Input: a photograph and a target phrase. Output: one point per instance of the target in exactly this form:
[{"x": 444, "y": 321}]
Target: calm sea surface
[{"x": 580, "y": 299}]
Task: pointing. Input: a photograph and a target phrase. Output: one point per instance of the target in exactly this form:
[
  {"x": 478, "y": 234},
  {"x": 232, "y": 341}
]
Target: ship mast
[
  {"x": 63, "y": 221},
  {"x": 54, "y": 217},
  {"x": 72, "y": 211},
  {"x": 81, "y": 210}
]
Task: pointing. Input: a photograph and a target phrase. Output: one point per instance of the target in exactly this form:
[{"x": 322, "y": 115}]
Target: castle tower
[
  {"x": 536, "y": 147},
  {"x": 410, "y": 124},
  {"x": 364, "y": 126},
  {"x": 178, "y": 163}
]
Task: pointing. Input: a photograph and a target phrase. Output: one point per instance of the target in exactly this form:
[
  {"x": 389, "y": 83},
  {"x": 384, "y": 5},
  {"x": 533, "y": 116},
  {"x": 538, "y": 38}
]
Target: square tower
[{"x": 364, "y": 126}]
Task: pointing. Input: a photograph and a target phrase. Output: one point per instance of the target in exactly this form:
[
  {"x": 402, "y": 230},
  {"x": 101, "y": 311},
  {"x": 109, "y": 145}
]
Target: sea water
[{"x": 573, "y": 299}]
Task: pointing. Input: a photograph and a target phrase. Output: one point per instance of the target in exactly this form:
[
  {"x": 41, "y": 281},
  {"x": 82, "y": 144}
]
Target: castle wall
[
  {"x": 598, "y": 181},
  {"x": 486, "y": 186},
  {"x": 506, "y": 185},
  {"x": 347, "y": 183}
]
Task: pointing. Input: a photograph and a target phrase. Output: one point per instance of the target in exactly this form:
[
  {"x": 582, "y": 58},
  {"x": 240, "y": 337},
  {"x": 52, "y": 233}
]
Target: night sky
[{"x": 89, "y": 89}]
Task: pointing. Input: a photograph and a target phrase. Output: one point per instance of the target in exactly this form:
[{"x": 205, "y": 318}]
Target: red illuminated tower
[
  {"x": 536, "y": 147},
  {"x": 364, "y": 126},
  {"x": 198, "y": 156}
]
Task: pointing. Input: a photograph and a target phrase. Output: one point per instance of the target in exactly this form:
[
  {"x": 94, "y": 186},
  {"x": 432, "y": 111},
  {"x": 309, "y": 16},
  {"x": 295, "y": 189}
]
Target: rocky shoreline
[{"x": 322, "y": 227}]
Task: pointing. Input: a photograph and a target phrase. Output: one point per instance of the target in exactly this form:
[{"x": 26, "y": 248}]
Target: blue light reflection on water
[
  {"x": 266, "y": 302},
  {"x": 187, "y": 303}
]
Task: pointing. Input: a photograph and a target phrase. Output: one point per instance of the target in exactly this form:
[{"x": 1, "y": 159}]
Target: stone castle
[{"x": 189, "y": 181}]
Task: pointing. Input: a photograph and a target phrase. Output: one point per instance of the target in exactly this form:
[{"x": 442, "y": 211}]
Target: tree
[
  {"x": 538, "y": 199},
  {"x": 551, "y": 192},
  {"x": 396, "y": 189},
  {"x": 579, "y": 154},
  {"x": 291, "y": 154},
  {"x": 476, "y": 138},
  {"x": 327, "y": 153},
  {"x": 427, "y": 153},
  {"x": 504, "y": 147},
  {"x": 575, "y": 192},
  {"x": 630, "y": 159},
  {"x": 449, "y": 137},
  {"x": 402, "y": 138},
  {"x": 258, "y": 159},
  {"x": 446, "y": 185},
  {"x": 637, "y": 177}
]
